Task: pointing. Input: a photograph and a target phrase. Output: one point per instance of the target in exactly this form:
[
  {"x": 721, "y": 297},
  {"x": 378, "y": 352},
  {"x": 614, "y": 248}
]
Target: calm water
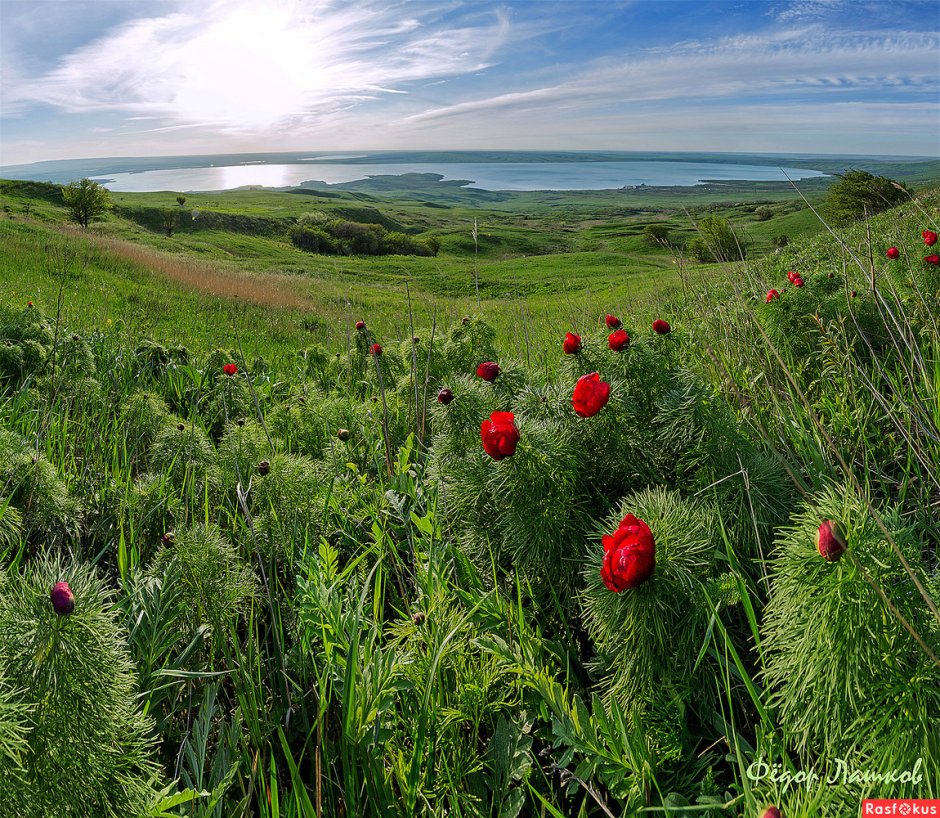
[{"x": 496, "y": 176}]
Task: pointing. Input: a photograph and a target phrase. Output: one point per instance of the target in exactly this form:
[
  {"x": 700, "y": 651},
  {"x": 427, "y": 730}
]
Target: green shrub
[
  {"x": 89, "y": 751},
  {"x": 859, "y": 194}
]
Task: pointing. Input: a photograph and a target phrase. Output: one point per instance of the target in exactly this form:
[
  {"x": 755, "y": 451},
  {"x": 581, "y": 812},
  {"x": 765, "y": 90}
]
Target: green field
[{"x": 311, "y": 576}]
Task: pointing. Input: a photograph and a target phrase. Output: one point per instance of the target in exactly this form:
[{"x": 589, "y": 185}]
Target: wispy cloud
[{"x": 245, "y": 65}]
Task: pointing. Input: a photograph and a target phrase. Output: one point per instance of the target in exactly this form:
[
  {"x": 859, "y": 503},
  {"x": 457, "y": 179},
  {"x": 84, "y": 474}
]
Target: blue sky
[{"x": 124, "y": 78}]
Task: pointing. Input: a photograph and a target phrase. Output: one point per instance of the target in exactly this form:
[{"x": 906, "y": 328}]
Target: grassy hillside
[{"x": 261, "y": 561}]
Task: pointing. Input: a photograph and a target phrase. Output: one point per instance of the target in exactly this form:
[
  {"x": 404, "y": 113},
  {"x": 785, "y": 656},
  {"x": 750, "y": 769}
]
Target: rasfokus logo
[{"x": 904, "y": 807}]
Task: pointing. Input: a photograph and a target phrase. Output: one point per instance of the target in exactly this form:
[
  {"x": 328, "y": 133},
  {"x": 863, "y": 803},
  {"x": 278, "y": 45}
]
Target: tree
[
  {"x": 85, "y": 200},
  {"x": 657, "y": 234},
  {"x": 181, "y": 200},
  {"x": 762, "y": 213},
  {"x": 715, "y": 241},
  {"x": 858, "y": 194},
  {"x": 168, "y": 216}
]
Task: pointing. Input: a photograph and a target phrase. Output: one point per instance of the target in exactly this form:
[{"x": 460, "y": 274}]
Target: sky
[{"x": 166, "y": 77}]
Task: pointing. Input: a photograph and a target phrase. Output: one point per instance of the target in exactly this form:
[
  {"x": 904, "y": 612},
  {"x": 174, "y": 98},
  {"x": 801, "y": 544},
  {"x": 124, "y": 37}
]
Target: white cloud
[{"x": 244, "y": 65}]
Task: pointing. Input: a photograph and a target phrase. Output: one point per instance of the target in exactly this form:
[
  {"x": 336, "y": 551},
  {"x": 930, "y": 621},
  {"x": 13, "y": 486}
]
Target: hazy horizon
[{"x": 170, "y": 78}]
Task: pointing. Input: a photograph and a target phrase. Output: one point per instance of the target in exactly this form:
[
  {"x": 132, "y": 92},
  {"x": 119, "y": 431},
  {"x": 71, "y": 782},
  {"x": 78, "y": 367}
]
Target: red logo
[{"x": 904, "y": 807}]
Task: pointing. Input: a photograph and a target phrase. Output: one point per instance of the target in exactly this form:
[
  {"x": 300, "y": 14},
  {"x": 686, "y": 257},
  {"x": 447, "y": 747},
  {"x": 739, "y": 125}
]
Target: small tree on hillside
[
  {"x": 715, "y": 241},
  {"x": 181, "y": 200},
  {"x": 85, "y": 200},
  {"x": 858, "y": 194},
  {"x": 657, "y": 234},
  {"x": 168, "y": 217}
]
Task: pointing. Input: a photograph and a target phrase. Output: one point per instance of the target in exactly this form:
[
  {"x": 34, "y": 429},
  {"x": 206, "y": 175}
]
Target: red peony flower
[
  {"x": 571, "y": 344},
  {"x": 360, "y": 325},
  {"x": 499, "y": 435},
  {"x": 930, "y": 238},
  {"x": 445, "y": 396},
  {"x": 618, "y": 341},
  {"x": 612, "y": 321},
  {"x": 798, "y": 282},
  {"x": 934, "y": 259},
  {"x": 792, "y": 276},
  {"x": 830, "y": 540},
  {"x": 488, "y": 370},
  {"x": 63, "y": 600},
  {"x": 590, "y": 395},
  {"x": 771, "y": 295},
  {"x": 771, "y": 812},
  {"x": 629, "y": 555},
  {"x": 376, "y": 349},
  {"x": 661, "y": 327},
  {"x": 230, "y": 369},
  {"x": 893, "y": 253}
]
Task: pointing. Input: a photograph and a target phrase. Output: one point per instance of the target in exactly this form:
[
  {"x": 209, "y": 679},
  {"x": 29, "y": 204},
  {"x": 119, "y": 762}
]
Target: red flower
[
  {"x": 445, "y": 396},
  {"x": 571, "y": 344},
  {"x": 29, "y": 305},
  {"x": 618, "y": 341},
  {"x": 63, "y": 600},
  {"x": 360, "y": 325},
  {"x": 230, "y": 369},
  {"x": 771, "y": 295},
  {"x": 934, "y": 259},
  {"x": 629, "y": 555},
  {"x": 488, "y": 370},
  {"x": 661, "y": 327},
  {"x": 893, "y": 253},
  {"x": 792, "y": 276},
  {"x": 499, "y": 435},
  {"x": 376, "y": 349},
  {"x": 590, "y": 395},
  {"x": 612, "y": 321},
  {"x": 771, "y": 812},
  {"x": 830, "y": 541},
  {"x": 798, "y": 282},
  {"x": 930, "y": 238}
]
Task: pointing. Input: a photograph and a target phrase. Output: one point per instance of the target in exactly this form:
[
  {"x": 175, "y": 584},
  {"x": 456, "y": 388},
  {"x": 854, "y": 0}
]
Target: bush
[
  {"x": 85, "y": 200},
  {"x": 715, "y": 241},
  {"x": 763, "y": 213},
  {"x": 858, "y": 194},
  {"x": 88, "y": 750}
]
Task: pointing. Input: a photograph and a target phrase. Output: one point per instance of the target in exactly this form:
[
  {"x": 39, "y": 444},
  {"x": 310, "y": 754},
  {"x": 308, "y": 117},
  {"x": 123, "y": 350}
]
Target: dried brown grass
[{"x": 211, "y": 278}]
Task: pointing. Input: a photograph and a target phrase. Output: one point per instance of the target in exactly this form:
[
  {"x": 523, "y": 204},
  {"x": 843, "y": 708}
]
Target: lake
[{"x": 488, "y": 176}]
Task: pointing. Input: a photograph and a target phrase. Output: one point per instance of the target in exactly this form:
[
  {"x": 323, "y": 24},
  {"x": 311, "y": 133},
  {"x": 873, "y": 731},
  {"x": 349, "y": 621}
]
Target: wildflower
[
  {"x": 771, "y": 295},
  {"x": 893, "y": 253},
  {"x": 629, "y": 555},
  {"x": 360, "y": 325},
  {"x": 230, "y": 369},
  {"x": 343, "y": 434},
  {"x": 445, "y": 396},
  {"x": 853, "y": 293},
  {"x": 930, "y": 238},
  {"x": 830, "y": 541},
  {"x": 792, "y": 276},
  {"x": 465, "y": 320},
  {"x": 29, "y": 305},
  {"x": 612, "y": 321},
  {"x": 180, "y": 427},
  {"x": 63, "y": 600},
  {"x": 168, "y": 538},
  {"x": 798, "y": 282},
  {"x": 376, "y": 349},
  {"x": 488, "y": 370},
  {"x": 661, "y": 327},
  {"x": 934, "y": 259},
  {"x": 264, "y": 467},
  {"x": 499, "y": 435},
  {"x": 771, "y": 812},
  {"x": 571, "y": 344},
  {"x": 618, "y": 341},
  {"x": 590, "y": 395}
]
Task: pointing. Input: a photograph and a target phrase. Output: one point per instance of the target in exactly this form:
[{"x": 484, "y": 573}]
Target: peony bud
[
  {"x": 63, "y": 600},
  {"x": 612, "y": 321},
  {"x": 661, "y": 327},
  {"x": 360, "y": 325},
  {"x": 893, "y": 252},
  {"x": 830, "y": 541},
  {"x": 264, "y": 467},
  {"x": 771, "y": 812},
  {"x": 168, "y": 538},
  {"x": 445, "y": 396},
  {"x": 771, "y": 295},
  {"x": 488, "y": 370},
  {"x": 230, "y": 369},
  {"x": 930, "y": 238},
  {"x": 343, "y": 434}
]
